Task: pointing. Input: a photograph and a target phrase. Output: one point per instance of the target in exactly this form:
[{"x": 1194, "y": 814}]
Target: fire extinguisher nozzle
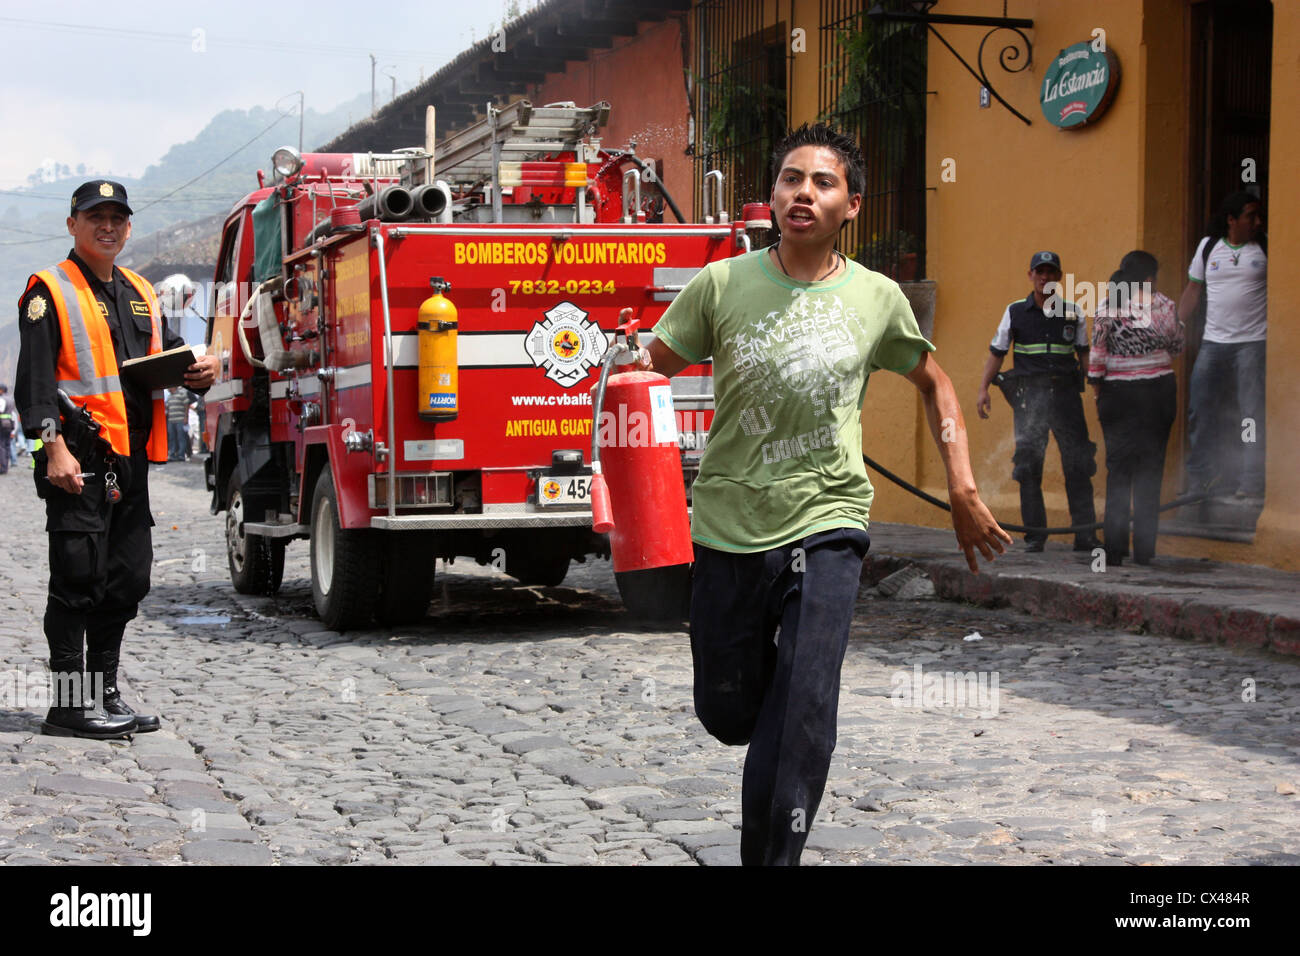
[{"x": 602, "y": 515}]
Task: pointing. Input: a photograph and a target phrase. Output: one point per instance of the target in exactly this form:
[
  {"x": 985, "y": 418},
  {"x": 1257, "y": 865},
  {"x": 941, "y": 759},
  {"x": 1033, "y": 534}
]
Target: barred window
[
  {"x": 872, "y": 87},
  {"x": 869, "y": 82},
  {"x": 741, "y": 90}
]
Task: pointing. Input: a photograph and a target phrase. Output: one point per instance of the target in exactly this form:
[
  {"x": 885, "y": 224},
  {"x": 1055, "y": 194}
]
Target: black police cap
[
  {"x": 1045, "y": 259},
  {"x": 91, "y": 194}
]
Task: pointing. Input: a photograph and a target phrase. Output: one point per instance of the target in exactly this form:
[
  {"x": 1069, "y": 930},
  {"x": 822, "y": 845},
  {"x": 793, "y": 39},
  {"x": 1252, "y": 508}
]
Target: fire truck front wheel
[
  {"x": 256, "y": 562},
  {"x": 344, "y": 564}
]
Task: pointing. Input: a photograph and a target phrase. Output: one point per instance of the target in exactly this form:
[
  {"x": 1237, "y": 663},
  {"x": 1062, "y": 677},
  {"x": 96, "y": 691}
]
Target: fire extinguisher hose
[{"x": 602, "y": 514}]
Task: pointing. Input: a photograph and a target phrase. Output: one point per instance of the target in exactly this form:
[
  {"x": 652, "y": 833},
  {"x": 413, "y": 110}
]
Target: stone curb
[{"x": 1130, "y": 608}]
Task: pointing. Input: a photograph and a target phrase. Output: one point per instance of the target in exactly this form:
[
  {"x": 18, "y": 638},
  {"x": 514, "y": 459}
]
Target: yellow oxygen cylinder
[{"x": 439, "y": 365}]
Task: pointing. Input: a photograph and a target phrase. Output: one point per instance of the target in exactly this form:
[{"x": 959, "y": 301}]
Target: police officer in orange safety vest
[{"x": 79, "y": 320}]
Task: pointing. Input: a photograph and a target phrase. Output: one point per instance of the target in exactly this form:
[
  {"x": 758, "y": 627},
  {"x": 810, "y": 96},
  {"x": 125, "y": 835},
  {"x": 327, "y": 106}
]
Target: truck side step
[
  {"x": 483, "y": 521},
  {"x": 275, "y": 529}
]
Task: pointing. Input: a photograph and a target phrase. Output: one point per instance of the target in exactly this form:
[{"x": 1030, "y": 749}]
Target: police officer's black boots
[
  {"x": 69, "y": 716},
  {"x": 105, "y": 662},
  {"x": 84, "y": 722}
]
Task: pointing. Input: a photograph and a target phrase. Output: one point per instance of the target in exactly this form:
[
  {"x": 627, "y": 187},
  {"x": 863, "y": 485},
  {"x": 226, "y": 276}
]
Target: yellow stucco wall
[
  {"x": 1278, "y": 540},
  {"x": 1091, "y": 195},
  {"x": 1018, "y": 189}
]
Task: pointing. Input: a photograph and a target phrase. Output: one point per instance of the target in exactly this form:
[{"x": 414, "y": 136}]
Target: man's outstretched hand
[{"x": 976, "y": 528}]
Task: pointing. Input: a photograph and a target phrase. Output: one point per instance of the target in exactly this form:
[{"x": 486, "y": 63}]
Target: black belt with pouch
[
  {"x": 1014, "y": 384},
  {"x": 81, "y": 436}
]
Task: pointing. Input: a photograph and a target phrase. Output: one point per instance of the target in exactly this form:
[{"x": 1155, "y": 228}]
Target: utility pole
[
  {"x": 372, "y": 85},
  {"x": 302, "y": 109},
  {"x": 302, "y": 99}
]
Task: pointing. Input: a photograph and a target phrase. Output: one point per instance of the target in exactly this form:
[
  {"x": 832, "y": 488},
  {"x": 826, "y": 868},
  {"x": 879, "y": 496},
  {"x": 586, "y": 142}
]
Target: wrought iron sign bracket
[{"x": 1007, "y": 56}]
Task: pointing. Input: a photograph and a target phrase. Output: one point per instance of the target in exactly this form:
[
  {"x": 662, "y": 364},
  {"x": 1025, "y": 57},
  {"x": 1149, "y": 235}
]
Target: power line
[
  {"x": 314, "y": 49},
  {"x": 18, "y": 229},
  {"x": 51, "y": 197},
  {"x": 32, "y": 242},
  {"x": 279, "y": 119}
]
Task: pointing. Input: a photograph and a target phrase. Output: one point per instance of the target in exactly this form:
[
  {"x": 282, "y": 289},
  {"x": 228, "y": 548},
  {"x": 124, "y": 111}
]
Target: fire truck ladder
[{"x": 494, "y": 149}]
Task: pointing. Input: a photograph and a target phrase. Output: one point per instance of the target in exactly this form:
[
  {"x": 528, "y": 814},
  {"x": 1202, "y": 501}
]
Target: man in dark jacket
[
  {"x": 1050, "y": 339},
  {"x": 79, "y": 321}
]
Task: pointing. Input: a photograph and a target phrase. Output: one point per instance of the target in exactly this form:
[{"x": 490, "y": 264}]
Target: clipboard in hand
[{"x": 160, "y": 370}]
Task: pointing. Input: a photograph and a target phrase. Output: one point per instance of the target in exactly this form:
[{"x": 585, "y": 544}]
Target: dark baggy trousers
[
  {"x": 1053, "y": 405},
  {"x": 778, "y": 692},
  {"x": 1135, "y": 419},
  {"x": 100, "y": 559}
]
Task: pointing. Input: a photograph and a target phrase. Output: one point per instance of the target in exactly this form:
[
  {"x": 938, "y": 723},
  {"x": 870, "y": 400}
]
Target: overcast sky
[{"x": 114, "y": 85}]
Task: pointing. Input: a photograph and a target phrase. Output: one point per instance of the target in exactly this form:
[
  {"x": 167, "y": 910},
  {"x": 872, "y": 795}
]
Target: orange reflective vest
[{"x": 87, "y": 368}]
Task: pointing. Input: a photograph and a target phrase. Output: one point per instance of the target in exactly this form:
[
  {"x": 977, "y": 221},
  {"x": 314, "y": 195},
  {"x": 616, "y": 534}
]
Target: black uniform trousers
[
  {"x": 1047, "y": 404},
  {"x": 100, "y": 559},
  {"x": 1135, "y": 419},
  {"x": 781, "y": 698}
]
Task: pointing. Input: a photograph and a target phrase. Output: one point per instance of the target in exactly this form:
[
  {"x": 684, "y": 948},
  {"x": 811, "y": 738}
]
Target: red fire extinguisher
[{"x": 638, "y": 493}]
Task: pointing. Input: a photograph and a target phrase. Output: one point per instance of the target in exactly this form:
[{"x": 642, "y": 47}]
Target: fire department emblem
[
  {"x": 566, "y": 344},
  {"x": 551, "y": 490}
]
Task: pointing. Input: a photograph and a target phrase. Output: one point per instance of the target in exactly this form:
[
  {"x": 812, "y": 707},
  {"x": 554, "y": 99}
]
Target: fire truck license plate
[{"x": 564, "y": 489}]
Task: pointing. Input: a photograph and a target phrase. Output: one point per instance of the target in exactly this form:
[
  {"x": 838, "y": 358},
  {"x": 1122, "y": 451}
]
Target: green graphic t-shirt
[{"x": 790, "y": 367}]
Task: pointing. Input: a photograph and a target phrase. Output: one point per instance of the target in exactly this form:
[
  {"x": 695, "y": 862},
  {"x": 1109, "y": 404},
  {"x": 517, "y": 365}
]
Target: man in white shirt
[{"x": 1232, "y": 273}]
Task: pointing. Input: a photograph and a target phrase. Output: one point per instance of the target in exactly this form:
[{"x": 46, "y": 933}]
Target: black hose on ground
[{"x": 1073, "y": 529}]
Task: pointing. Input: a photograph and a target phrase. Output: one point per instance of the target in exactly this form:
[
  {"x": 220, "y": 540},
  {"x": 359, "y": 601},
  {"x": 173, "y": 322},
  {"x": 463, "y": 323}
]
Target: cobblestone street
[{"x": 524, "y": 725}]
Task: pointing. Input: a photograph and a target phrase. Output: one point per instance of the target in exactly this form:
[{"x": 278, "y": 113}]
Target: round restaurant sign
[{"x": 1079, "y": 85}]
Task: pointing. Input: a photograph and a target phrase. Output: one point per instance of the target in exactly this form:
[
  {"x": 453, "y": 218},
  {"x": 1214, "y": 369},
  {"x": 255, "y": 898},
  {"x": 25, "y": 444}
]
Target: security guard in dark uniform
[
  {"x": 79, "y": 321},
  {"x": 1050, "y": 339}
]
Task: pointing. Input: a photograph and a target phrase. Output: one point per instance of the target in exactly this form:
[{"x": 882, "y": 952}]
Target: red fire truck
[{"x": 499, "y": 260}]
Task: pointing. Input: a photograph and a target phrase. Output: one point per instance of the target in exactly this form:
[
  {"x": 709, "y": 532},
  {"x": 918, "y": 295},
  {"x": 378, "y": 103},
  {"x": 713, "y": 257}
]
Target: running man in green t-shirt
[{"x": 782, "y": 499}]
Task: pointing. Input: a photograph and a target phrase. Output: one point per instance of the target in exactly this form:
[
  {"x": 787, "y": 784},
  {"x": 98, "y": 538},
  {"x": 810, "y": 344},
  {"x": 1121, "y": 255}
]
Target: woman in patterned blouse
[{"x": 1135, "y": 336}]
